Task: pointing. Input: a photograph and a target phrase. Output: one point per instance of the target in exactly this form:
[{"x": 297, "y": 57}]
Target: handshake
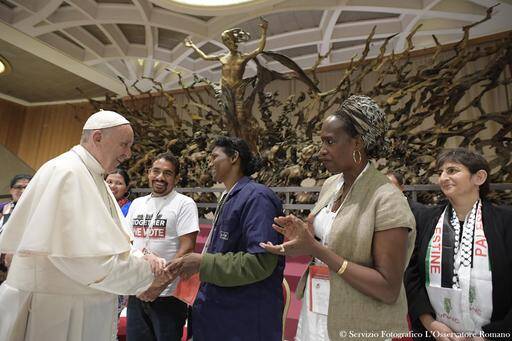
[{"x": 166, "y": 272}]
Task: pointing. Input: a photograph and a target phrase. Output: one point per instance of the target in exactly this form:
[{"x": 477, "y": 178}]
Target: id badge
[{"x": 319, "y": 289}]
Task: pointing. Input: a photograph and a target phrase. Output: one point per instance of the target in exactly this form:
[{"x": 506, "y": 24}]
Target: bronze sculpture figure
[{"x": 232, "y": 84}]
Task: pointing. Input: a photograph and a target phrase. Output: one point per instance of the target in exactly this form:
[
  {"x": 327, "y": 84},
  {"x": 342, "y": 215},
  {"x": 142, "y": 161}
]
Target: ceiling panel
[
  {"x": 135, "y": 34},
  {"x": 35, "y": 80},
  {"x": 119, "y": 31},
  {"x": 68, "y": 39},
  {"x": 299, "y": 51},
  {"x": 346, "y": 44},
  {"x": 200, "y": 17},
  {"x": 283, "y": 22},
  {"x": 97, "y": 33},
  {"x": 114, "y": 1},
  {"x": 460, "y": 6},
  {"x": 355, "y": 16},
  {"x": 207, "y": 48},
  {"x": 7, "y": 4},
  {"x": 169, "y": 39}
]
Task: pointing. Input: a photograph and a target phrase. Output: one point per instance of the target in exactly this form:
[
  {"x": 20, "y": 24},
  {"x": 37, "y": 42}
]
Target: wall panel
[
  {"x": 12, "y": 117},
  {"x": 51, "y": 130}
]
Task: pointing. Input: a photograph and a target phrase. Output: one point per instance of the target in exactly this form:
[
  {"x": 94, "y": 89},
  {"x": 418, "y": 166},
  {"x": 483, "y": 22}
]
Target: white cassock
[{"x": 72, "y": 256}]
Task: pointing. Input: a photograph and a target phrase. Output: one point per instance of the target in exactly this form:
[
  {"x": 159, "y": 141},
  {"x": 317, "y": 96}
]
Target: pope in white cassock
[{"x": 72, "y": 253}]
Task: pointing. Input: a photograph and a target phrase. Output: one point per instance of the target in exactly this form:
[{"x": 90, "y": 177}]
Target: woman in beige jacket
[{"x": 366, "y": 232}]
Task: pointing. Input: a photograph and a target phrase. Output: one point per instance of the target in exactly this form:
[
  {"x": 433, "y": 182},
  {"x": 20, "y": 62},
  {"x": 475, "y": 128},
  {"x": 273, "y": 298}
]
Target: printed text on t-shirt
[{"x": 141, "y": 227}]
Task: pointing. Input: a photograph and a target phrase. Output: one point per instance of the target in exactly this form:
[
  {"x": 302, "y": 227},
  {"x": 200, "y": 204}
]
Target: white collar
[
  {"x": 90, "y": 162},
  {"x": 164, "y": 197}
]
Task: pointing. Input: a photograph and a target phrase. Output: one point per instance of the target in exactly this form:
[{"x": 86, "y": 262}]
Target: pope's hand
[
  {"x": 151, "y": 294},
  {"x": 164, "y": 278},
  {"x": 160, "y": 282},
  {"x": 156, "y": 263}
]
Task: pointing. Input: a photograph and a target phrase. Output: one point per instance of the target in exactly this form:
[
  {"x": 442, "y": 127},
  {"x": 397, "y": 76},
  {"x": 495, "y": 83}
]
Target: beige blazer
[{"x": 372, "y": 204}]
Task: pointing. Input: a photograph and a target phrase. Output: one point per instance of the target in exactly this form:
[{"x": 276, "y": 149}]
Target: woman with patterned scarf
[
  {"x": 459, "y": 279},
  {"x": 360, "y": 233}
]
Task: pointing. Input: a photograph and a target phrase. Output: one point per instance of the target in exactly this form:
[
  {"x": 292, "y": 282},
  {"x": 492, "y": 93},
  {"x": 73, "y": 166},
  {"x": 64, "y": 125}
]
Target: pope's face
[{"x": 115, "y": 146}]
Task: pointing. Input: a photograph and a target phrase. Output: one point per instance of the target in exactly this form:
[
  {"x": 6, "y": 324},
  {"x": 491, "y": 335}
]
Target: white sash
[{"x": 466, "y": 306}]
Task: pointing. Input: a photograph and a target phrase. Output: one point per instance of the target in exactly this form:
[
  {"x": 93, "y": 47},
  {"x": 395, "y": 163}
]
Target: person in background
[
  {"x": 364, "y": 233},
  {"x": 18, "y": 184},
  {"x": 460, "y": 275},
  {"x": 166, "y": 224},
  {"x": 240, "y": 296},
  {"x": 119, "y": 183},
  {"x": 397, "y": 179}
]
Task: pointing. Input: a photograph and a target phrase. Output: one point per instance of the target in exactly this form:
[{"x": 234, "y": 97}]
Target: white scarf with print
[{"x": 459, "y": 278}]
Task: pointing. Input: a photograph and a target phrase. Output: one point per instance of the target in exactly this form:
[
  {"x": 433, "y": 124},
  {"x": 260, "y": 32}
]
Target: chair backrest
[{"x": 287, "y": 298}]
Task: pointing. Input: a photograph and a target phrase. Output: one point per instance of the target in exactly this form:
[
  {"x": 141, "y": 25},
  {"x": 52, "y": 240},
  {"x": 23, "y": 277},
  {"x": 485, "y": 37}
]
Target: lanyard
[{"x": 218, "y": 211}]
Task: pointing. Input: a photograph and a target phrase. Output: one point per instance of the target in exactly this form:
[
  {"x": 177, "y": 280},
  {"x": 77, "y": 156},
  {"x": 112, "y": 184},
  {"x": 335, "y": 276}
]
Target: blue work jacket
[{"x": 248, "y": 312}]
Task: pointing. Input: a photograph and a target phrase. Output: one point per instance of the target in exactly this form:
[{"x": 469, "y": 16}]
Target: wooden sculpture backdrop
[{"x": 425, "y": 105}]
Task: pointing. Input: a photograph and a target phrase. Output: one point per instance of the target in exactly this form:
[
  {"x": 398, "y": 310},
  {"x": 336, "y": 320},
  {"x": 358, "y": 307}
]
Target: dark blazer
[
  {"x": 416, "y": 207},
  {"x": 497, "y": 222}
]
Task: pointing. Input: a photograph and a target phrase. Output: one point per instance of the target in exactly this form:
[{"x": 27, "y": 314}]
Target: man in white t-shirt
[{"x": 164, "y": 223}]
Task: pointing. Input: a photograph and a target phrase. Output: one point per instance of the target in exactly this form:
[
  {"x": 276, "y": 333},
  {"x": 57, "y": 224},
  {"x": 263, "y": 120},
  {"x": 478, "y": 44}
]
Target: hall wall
[
  {"x": 36, "y": 134},
  {"x": 12, "y": 118},
  {"x": 39, "y": 133}
]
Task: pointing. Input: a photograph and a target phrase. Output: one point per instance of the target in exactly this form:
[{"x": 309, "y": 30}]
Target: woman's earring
[{"x": 357, "y": 157}]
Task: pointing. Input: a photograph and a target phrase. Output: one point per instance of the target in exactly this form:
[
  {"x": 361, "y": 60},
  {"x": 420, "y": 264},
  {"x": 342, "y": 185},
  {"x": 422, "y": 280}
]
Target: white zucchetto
[{"x": 104, "y": 119}]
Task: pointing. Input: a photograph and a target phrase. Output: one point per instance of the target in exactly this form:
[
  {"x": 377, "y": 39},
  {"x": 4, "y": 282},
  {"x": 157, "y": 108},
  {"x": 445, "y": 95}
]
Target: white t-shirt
[{"x": 176, "y": 215}]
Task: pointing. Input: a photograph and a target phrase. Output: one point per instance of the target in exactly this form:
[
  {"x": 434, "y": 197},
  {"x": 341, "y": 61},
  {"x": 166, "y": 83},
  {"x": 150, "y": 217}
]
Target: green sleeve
[{"x": 235, "y": 269}]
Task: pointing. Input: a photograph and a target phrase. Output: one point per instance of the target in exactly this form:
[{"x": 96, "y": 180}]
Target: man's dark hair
[
  {"x": 399, "y": 177},
  {"x": 19, "y": 177},
  {"x": 230, "y": 145},
  {"x": 169, "y": 157}
]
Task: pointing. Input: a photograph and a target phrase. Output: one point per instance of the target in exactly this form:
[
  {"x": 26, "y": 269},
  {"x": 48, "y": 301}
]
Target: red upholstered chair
[{"x": 121, "y": 329}]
